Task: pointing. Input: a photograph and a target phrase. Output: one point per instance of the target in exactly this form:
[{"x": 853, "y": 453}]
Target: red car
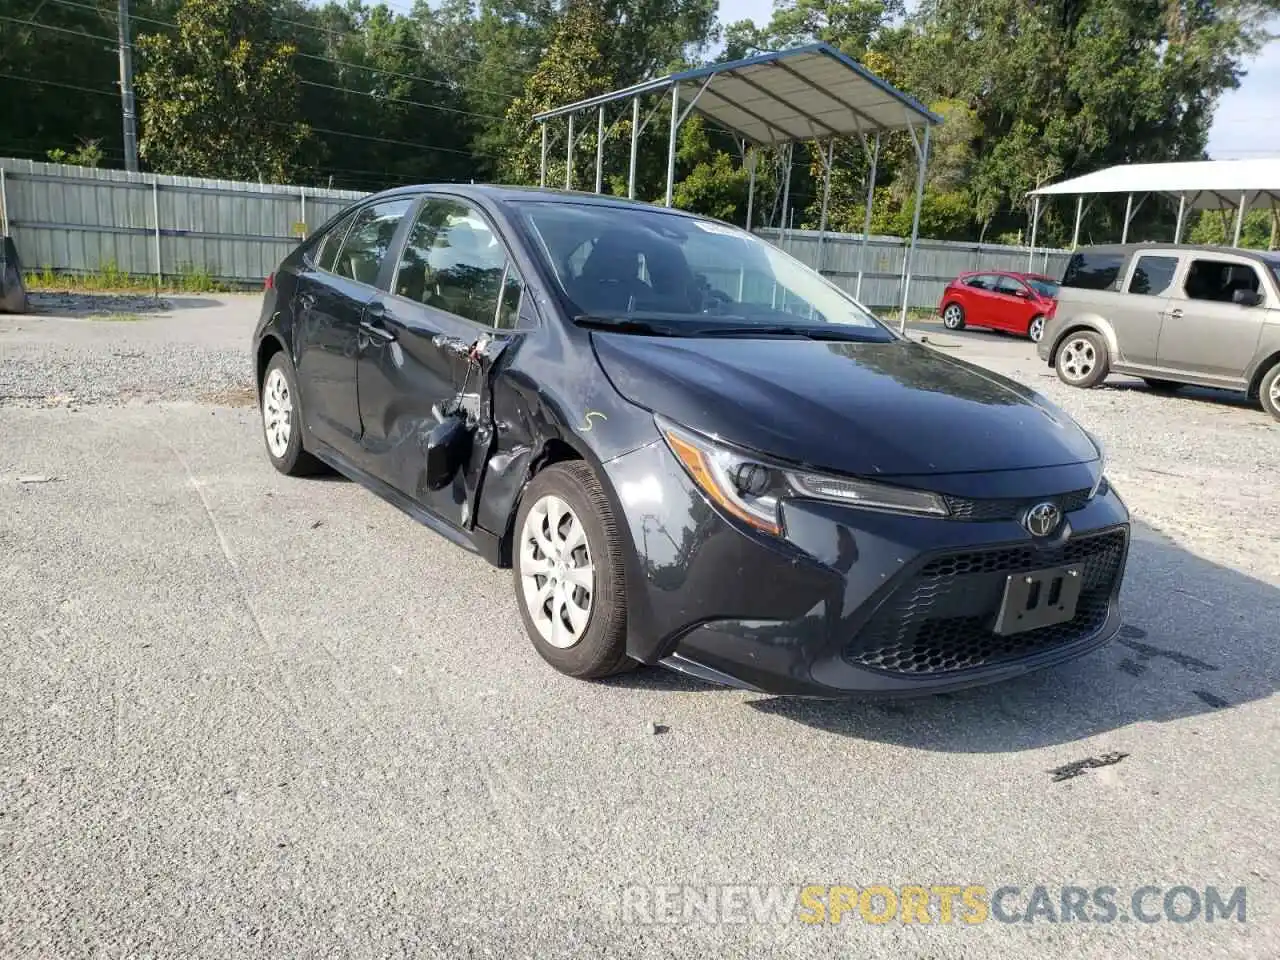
[{"x": 1001, "y": 300}]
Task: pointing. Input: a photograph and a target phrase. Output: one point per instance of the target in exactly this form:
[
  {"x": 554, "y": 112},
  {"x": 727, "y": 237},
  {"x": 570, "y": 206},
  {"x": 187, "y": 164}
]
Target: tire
[
  {"x": 1269, "y": 391},
  {"x": 953, "y": 316},
  {"x": 1165, "y": 386},
  {"x": 282, "y": 419},
  {"x": 1035, "y": 329},
  {"x": 1082, "y": 360},
  {"x": 589, "y": 646}
]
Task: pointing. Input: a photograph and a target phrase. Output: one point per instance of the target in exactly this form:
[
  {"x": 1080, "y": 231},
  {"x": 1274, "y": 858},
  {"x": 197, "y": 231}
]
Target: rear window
[
  {"x": 1153, "y": 275},
  {"x": 1093, "y": 270}
]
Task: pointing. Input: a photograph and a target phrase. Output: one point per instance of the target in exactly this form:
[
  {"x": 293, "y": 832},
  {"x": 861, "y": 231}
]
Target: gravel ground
[{"x": 252, "y": 716}]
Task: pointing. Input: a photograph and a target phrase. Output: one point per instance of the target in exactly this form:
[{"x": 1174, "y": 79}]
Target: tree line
[{"x": 366, "y": 97}]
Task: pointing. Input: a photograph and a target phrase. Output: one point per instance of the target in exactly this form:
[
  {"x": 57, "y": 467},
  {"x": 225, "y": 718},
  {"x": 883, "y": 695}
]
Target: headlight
[
  {"x": 751, "y": 488},
  {"x": 1100, "y": 485}
]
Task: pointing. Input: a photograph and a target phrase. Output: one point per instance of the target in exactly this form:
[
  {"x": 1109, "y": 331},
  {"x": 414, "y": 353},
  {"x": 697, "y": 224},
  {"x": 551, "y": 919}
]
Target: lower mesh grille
[{"x": 942, "y": 618}]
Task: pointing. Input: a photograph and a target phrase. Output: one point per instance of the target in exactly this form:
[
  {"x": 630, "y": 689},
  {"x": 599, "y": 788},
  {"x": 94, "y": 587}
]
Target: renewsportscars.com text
[{"x": 961, "y": 904}]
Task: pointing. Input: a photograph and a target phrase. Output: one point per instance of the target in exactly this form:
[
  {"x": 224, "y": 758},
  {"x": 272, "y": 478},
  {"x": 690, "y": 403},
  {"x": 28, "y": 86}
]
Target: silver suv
[{"x": 1170, "y": 315}]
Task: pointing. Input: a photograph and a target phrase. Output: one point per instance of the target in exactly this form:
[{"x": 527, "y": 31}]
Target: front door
[
  {"x": 454, "y": 285},
  {"x": 329, "y": 301},
  {"x": 1204, "y": 332},
  {"x": 1011, "y": 305}
]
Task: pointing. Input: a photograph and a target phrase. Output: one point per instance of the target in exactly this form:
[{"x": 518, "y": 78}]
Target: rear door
[
  {"x": 1140, "y": 312},
  {"x": 328, "y": 306},
  {"x": 454, "y": 283},
  {"x": 1204, "y": 333}
]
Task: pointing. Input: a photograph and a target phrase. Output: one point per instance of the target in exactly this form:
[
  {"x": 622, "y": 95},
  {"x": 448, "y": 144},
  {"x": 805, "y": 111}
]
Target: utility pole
[{"x": 126, "y": 90}]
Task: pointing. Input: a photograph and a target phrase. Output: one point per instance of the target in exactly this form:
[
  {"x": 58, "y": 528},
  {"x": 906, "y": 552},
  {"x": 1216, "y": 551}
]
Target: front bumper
[{"x": 855, "y": 601}]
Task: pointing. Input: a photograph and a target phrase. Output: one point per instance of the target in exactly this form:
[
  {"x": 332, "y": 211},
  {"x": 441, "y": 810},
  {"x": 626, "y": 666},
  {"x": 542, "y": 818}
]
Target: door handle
[
  {"x": 1174, "y": 314},
  {"x": 306, "y": 301},
  {"x": 376, "y": 333}
]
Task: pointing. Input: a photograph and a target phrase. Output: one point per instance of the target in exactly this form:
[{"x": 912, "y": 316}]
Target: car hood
[{"x": 893, "y": 408}]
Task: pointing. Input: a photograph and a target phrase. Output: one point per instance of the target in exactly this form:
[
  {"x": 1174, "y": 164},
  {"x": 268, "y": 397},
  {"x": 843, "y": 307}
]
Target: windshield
[
  {"x": 628, "y": 263},
  {"x": 1273, "y": 263},
  {"x": 1042, "y": 286}
]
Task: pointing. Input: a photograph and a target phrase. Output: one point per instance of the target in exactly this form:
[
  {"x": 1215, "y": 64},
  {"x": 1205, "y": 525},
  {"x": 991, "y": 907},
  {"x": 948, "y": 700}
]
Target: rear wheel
[
  {"x": 953, "y": 316},
  {"x": 1269, "y": 392},
  {"x": 1035, "y": 329},
  {"x": 1082, "y": 360},
  {"x": 282, "y": 419},
  {"x": 568, "y": 572}
]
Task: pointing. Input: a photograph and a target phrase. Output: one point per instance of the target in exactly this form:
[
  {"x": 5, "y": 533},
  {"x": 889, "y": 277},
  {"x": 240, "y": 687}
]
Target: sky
[{"x": 1247, "y": 121}]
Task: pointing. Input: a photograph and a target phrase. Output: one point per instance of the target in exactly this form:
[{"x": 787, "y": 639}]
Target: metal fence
[
  {"x": 935, "y": 263},
  {"x": 85, "y": 220}
]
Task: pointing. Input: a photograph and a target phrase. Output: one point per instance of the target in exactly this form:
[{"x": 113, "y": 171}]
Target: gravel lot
[{"x": 252, "y": 716}]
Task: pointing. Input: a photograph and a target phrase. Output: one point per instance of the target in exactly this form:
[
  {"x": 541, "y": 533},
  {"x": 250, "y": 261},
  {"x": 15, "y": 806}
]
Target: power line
[
  {"x": 313, "y": 56},
  {"x": 412, "y": 103},
  {"x": 398, "y": 143},
  {"x": 49, "y": 26},
  {"x": 54, "y": 83}
]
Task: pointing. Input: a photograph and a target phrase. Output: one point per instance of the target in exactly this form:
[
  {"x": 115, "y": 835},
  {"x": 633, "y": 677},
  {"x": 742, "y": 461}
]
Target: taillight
[{"x": 270, "y": 282}]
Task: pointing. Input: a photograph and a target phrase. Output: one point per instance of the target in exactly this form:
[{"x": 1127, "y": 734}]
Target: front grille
[
  {"x": 1012, "y": 508},
  {"x": 942, "y": 617}
]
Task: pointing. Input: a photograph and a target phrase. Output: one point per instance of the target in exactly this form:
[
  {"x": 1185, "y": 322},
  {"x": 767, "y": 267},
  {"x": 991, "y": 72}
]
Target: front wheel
[
  {"x": 1082, "y": 360},
  {"x": 569, "y": 576},
  {"x": 1269, "y": 392},
  {"x": 953, "y": 317},
  {"x": 1035, "y": 330}
]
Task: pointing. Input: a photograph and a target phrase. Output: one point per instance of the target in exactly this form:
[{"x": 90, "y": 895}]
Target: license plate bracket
[{"x": 1040, "y": 598}]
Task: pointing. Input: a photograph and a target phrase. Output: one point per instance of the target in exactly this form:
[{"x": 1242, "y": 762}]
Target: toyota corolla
[{"x": 690, "y": 449}]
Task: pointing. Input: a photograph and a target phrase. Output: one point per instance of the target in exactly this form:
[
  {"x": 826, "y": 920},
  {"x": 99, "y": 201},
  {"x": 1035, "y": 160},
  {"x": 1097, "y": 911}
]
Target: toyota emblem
[{"x": 1042, "y": 519}]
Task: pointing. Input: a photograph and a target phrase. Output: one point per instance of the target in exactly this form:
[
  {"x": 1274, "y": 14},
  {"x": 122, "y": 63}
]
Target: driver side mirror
[{"x": 1246, "y": 298}]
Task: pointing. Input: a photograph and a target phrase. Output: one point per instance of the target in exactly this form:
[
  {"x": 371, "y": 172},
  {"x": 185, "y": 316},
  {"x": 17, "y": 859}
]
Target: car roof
[
  {"x": 509, "y": 193},
  {"x": 1158, "y": 246}
]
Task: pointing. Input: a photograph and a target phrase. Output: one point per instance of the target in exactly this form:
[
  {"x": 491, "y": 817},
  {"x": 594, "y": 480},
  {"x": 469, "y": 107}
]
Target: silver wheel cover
[
  {"x": 1274, "y": 393},
  {"x": 557, "y": 576},
  {"x": 277, "y": 412},
  {"x": 1078, "y": 358},
  {"x": 1036, "y": 330},
  {"x": 951, "y": 316}
]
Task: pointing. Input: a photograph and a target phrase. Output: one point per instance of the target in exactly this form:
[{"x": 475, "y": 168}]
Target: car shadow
[
  {"x": 1197, "y": 638},
  {"x": 1207, "y": 395}
]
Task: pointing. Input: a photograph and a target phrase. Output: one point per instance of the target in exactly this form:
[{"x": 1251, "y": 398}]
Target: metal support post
[
  {"x": 753, "y": 158},
  {"x": 635, "y": 141},
  {"x": 866, "y": 217},
  {"x": 1075, "y": 234},
  {"x": 155, "y": 216},
  {"x": 568, "y": 158},
  {"x": 600, "y": 150},
  {"x": 1128, "y": 215},
  {"x": 542, "y": 172},
  {"x": 922, "y": 162},
  {"x": 1182, "y": 212},
  {"x": 1244, "y": 200},
  {"x": 671, "y": 142},
  {"x": 1035, "y": 223},
  {"x": 127, "y": 107},
  {"x": 826, "y": 197}
]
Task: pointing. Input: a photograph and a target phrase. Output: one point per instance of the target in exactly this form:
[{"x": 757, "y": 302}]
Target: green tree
[
  {"x": 1259, "y": 231},
  {"x": 220, "y": 97}
]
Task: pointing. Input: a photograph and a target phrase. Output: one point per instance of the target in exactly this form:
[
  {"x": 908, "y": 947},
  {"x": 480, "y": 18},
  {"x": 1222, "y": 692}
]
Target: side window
[
  {"x": 980, "y": 282},
  {"x": 1093, "y": 270},
  {"x": 370, "y": 238},
  {"x": 1152, "y": 275},
  {"x": 453, "y": 261},
  {"x": 1218, "y": 280},
  {"x": 326, "y": 252},
  {"x": 1010, "y": 287}
]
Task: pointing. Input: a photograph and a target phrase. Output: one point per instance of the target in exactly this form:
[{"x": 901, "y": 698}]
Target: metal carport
[
  {"x": 771, "y": 101},
  {"x": 1237, "y": 185}
]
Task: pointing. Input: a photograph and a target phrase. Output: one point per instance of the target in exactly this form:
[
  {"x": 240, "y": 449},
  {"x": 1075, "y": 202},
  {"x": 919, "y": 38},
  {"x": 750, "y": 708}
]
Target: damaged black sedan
[{"x": 691, "y": 449}]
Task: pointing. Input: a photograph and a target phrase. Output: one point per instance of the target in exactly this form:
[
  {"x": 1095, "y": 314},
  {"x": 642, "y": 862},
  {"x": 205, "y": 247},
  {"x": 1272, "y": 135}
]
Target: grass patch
[{"x": 109, "y": 278}]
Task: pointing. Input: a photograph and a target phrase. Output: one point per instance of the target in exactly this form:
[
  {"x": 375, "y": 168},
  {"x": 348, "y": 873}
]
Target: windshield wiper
[
  {"x": 628, "y": 325},
  {"x": 779, "y": 330}
]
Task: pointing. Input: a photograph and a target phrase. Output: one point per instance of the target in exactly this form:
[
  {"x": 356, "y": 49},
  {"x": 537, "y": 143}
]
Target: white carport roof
[{"x": 1205, "y": 185}]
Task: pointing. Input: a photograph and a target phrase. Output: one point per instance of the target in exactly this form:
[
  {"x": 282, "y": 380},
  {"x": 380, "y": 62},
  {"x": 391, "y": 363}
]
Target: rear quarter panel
[{"x": 1084, "y": 309}]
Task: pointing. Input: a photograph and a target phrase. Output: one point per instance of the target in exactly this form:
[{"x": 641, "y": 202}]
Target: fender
[{"x": 1088, "y": 321}]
